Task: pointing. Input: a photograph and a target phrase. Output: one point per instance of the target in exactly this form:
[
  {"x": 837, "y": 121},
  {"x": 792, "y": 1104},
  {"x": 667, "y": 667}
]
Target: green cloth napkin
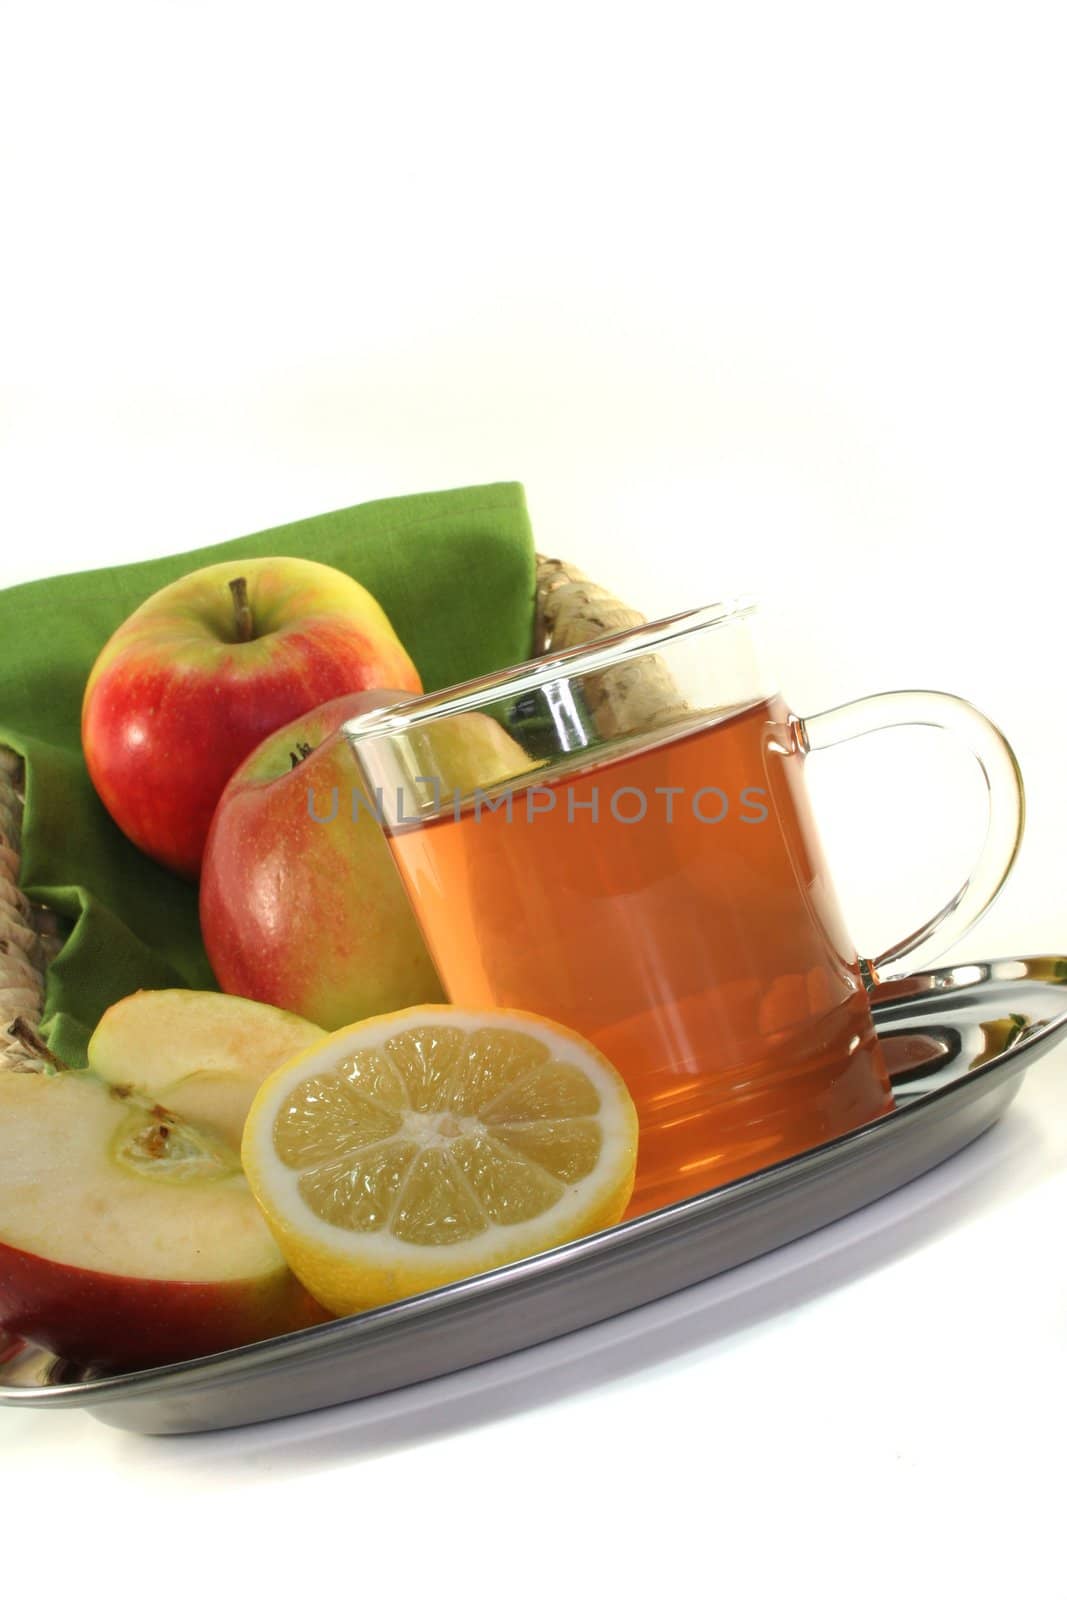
[{"x": 455, "y": 574}]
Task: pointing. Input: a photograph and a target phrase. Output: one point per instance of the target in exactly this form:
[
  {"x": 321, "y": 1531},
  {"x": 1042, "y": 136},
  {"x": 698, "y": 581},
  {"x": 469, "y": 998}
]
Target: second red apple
[{"x": 310, "y": 914}]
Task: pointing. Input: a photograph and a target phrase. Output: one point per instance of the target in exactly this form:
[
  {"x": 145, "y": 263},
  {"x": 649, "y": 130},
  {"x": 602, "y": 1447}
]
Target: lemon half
[{"x": 410, "y": 1150}]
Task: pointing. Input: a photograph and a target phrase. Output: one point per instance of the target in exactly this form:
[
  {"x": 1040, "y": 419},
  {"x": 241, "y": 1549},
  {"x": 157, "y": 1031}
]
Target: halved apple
[
  {"x": 128, "y": 1236},
  {"x": 202, "y": 1055}
]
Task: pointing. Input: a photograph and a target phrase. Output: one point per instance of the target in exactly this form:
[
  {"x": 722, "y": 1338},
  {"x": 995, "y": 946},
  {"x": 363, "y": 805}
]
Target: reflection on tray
[{"x": 922, "y": 1060}]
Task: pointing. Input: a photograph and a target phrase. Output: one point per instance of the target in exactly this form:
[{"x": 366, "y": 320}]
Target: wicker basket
[{"x": 570, "y": 610}]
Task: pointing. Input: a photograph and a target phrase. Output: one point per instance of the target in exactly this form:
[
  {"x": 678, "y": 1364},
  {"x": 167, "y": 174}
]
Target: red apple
[
  {"x": 204, "y": 670},
  {"x": 312, "y": 915},
  {"x": 309, "y": 916},
  {"x": 129, "y": 1238},
  {"x": 126, "y": 1233}
]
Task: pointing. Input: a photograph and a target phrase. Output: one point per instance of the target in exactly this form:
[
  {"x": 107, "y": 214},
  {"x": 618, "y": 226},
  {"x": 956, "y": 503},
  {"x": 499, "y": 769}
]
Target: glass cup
[{"x": 619, "y": 837}]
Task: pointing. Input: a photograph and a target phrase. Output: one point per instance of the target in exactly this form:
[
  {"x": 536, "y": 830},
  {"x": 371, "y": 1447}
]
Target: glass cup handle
[{"x": 921, "y": 708}]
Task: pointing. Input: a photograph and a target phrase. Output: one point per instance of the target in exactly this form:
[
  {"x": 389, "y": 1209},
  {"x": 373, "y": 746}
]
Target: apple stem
[
  {"x": 31, "y": 1040},
  {"x": 242, "y": 611}
]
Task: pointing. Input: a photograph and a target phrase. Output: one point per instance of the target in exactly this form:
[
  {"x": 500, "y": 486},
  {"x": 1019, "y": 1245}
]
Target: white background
[{"x": 751, "y": 297}]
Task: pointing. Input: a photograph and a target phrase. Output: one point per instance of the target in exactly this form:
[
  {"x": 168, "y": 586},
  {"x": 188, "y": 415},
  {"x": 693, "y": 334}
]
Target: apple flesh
[
  {"x": 129, "y": 1238},
  {"x": 199, "y": 675},
  {"x": 312, "y": 915},
  {"x": 202, "y": 1055}
]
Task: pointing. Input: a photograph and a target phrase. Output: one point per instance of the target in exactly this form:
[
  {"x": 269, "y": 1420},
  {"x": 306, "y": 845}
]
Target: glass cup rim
[{"x": 596, "y": 655}]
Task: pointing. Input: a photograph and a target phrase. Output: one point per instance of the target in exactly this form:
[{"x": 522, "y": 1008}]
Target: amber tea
[
  {"x": 673, "y": 906},
  {"x": 650, "y": 875}
]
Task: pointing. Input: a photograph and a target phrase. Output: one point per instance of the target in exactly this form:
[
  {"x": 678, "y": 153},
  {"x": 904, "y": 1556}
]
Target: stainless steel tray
[{"x": 958, "y": 1039}]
